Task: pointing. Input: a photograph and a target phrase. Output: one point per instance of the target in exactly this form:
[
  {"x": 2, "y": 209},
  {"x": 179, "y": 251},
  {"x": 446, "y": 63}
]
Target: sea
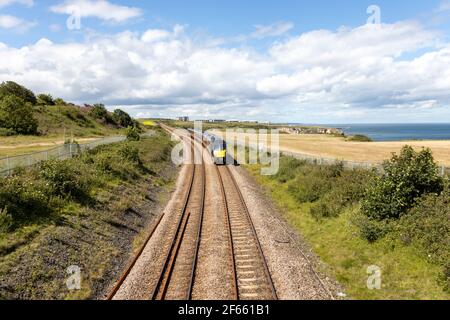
[{"x": 398, "y": 132}]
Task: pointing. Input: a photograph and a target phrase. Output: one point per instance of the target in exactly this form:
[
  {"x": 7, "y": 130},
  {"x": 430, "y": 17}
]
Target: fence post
[
  {"x": 443, "y": 170},
  {"x": 70, "y": 150}
]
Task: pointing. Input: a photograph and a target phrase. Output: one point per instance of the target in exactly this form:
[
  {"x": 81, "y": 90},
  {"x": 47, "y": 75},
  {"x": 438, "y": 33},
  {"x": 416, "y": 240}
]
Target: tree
[
  {"x": 60, "y": 102},
  {"x": 99, "y": 111},
  {"x": 133, "y": 134},
  {"x": 122, "y": 118},
  {"x": 45, "y": 100},
  {"x": 10, "y": 88},
  {"x": 407, "y": 177},
  {"x": 17, "y": 115}
]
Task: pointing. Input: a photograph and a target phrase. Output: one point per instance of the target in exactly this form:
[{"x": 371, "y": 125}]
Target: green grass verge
[
  {"x": 90, "y": 211},
  {"x": 406, "y": 273}
]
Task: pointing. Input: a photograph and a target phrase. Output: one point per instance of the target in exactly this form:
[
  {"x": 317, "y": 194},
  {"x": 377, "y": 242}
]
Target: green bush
[
  {"x": 98, "y": 111},
  {"x": 6, "y": 221},
  {"x": 371, "y": 229},
  {"x": 130, "y": 153},
  {"x": 313, "y": 181},
  {"x": 23, "y": 197},
  {"x": 123, "y": 119},
  {"x": 309, "y": 189},
  {"x": 10, "y": 88},
  {"x": 407, "y": 177},
  {"x": 288, "y": 168},
  {"x": 17, "y": 116},
  {"x": 427, "y": 225},
  {"x": 4, "y": 132},
  {"x": 360, "y": 138},
  {"x": 65, "y": 179},
  {"x": 346, "y": 190},
  {"x": 133, "y": 134},
  {"x": 45, "y": 100},
  {"x": 60, "y": 102}
]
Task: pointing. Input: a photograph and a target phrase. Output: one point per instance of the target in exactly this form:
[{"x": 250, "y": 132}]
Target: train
[{"x": 216, "y": 146}]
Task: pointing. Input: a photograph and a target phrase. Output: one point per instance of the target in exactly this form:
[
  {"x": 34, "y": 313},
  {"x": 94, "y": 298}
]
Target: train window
[{"x": 220, "y": 145}]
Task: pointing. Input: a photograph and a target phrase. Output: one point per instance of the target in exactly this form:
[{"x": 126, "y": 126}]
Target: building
[{"x": 184, "y": 119}]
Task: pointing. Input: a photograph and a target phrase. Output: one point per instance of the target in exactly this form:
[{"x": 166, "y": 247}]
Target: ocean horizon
[{"x": 397, "y": 131}]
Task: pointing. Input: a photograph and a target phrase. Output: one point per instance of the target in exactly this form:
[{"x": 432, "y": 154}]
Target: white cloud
[
  {"x": 273, "y": 30},
  {"x": 4, "y": 3},
  {"x": 304, "y": 78},
  {"x": 444, "y": 6},
  {"x": 101, "y": 9},
  {"x": 12, "y": 22}
]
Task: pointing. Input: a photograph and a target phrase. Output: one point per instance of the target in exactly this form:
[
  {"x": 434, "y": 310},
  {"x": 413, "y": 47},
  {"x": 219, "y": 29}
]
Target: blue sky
[
  {"x": 286, "y": 60},
  {"x": 219, "y": 18}
]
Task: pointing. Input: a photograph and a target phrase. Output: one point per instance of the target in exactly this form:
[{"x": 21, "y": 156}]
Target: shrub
[
  {"x": 10, "y": 88},
  {"x": 122, "y": 118},
  {"x": 326, "y": 208},
  {"x": 314, "y": 181},
  {"x": 309, "y": 189},
  {"x": 98, "y": 111},
  {"x": 288, "y": 169},
  {"x": 64, "y": 179},
  {"x": 17, "y": 116},
  {"x": 60, "y": 102},
  {"x": 133, "y": 134},
  {"x": 360, "y": 138},
  {"x": 428, "y": 226},
  {"x": 6, "y": 221},
  {"x": 130, "y": 153},
  {"x": 347, "y": 189},
  {"x": 23, "y": 197},
  {"x": 371, "y": 229},
  {"x": 4, "y": 132},
  {"x": 407, "y": 177},
  {"x": 45, "y": 100}
]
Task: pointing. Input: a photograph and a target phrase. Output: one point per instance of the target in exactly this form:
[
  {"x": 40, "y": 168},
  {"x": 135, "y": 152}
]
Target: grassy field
[
  {"x": 337, "y": 147},
  {"x": 18, "y": 145},
  {"x": 406, "y": 272}
]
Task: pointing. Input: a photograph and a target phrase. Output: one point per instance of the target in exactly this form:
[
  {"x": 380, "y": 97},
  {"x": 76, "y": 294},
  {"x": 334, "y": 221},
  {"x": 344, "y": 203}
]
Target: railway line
[{"x": 250, "y": 276}]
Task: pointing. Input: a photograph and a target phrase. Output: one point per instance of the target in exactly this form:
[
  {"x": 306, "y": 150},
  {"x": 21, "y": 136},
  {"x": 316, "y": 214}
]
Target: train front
[{"x": 219, "y": 151}]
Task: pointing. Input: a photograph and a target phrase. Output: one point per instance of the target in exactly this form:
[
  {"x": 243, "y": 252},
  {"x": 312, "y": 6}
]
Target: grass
[
  {"x": 406, "y": 274},
  {"x": 97, "y": 234},
  {"x": 337, "y": 147}
]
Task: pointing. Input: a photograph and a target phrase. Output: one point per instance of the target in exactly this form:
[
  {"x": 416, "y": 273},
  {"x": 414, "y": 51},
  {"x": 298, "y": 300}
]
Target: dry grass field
[
  {"x": 339, "y": 148},
  {"x": 17, "y": 145}
]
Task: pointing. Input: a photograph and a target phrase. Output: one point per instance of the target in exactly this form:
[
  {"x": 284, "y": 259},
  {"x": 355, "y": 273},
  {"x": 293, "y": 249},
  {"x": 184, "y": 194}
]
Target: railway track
[
  {"x": 176, "y": 278},
  {"x": 251, "y": 276}
]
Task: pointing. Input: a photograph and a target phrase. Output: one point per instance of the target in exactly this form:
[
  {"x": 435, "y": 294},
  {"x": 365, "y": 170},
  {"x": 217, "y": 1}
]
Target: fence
[
  {"x": 349, "y": 164},
  {"x": 67, "y": 151}
]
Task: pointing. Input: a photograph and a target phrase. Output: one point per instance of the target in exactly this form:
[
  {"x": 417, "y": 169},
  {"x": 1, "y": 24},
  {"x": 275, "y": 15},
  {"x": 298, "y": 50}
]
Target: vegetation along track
[{"x": 251, "y": 277}]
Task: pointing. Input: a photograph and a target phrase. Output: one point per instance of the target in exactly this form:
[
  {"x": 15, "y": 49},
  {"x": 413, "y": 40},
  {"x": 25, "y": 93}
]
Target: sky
[{"x": 321, "y": 61}]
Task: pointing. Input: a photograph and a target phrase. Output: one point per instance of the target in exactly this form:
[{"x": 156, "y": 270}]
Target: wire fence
[
  {"x": 64, "y": 152},
  {"x": 348, "y": 164}
]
